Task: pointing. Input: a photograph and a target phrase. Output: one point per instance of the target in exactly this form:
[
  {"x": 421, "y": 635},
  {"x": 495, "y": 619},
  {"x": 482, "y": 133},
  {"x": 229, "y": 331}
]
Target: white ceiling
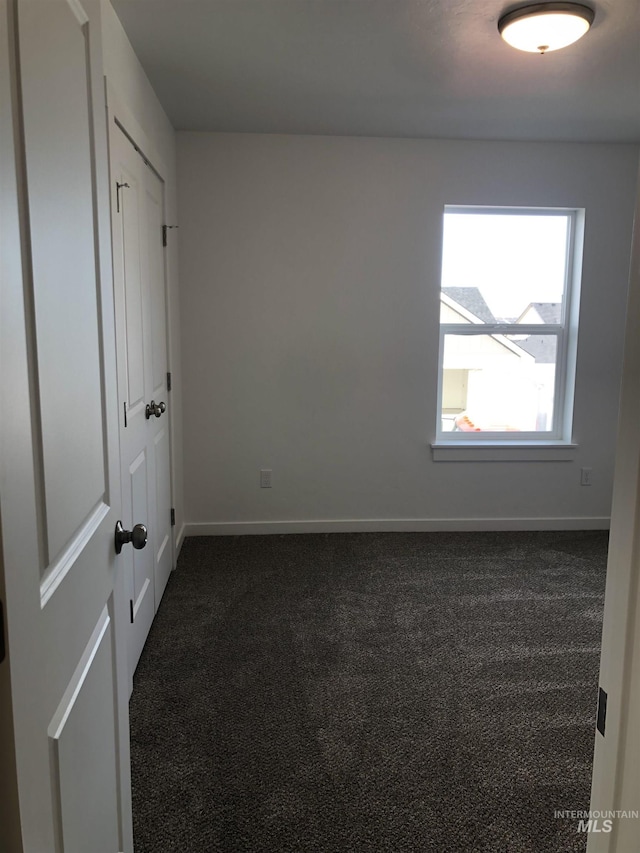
[{"x": 423, "y": 68}]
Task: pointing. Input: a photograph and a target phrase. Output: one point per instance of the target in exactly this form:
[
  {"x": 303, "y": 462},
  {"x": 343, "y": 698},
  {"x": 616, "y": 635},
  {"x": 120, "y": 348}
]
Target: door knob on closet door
[
  {"x": 154, "y": 408},
  {"x": 137, "y": 537}
]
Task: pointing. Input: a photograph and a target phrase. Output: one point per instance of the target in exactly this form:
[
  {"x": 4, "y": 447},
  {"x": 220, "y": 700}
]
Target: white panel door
[
  {"x": 131, "y": 301},
  {"x": 60, "y": 472},
  {"x": 138, "y": 257}
]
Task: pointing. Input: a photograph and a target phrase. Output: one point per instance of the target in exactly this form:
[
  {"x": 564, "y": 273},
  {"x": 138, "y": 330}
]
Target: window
[{"x": 506, "y": 338}]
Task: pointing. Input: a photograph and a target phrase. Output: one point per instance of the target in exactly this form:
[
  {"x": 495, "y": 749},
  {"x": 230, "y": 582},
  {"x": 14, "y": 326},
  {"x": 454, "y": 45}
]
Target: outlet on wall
[
  {"x": 585, "y": 476},
  {"x": 265, "y": 478}
]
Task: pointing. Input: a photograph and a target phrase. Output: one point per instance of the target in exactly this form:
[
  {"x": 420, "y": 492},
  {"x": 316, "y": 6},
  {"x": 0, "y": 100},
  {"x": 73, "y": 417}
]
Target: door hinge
[
  {"x": 173, "y": 517},
  {"x": 125, "y": 415},
  {"x": 131, "y": 609},
  {"x": 602, "y": 711},
  {"x": 166, "y": 228},
  {"x": 168, "y": 382}
]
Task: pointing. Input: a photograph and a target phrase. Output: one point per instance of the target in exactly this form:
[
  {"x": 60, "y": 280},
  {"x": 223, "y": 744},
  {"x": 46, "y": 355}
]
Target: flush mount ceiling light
[{"x": 545, "y": 26}]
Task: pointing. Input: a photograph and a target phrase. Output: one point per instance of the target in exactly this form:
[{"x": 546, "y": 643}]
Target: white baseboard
[{"x": 392, "y": 525}]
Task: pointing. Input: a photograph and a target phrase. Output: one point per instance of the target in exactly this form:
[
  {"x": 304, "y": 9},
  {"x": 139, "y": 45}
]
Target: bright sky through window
[{"x": 512, "y": 259}]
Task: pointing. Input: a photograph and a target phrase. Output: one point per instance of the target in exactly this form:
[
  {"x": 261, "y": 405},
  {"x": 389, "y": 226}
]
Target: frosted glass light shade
[{"x": 544, "y": 27}]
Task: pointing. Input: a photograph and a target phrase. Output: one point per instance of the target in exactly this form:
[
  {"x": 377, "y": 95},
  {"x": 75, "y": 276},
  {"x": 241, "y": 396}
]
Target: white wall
[
  {"x": 127, "y": 79},
  {"x": 310, "y": 274}
]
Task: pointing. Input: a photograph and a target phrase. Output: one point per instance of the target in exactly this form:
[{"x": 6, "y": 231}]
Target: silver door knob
[
  {"x": 154, "y": 408},
  {"x": 137, "y": 537}
]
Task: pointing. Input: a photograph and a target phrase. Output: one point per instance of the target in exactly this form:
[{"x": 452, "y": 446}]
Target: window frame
[{"x": 565, "y": 333}]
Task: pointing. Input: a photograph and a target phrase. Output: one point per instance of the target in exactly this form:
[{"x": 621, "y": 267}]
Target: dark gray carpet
[{"x": 370, "y": 692}]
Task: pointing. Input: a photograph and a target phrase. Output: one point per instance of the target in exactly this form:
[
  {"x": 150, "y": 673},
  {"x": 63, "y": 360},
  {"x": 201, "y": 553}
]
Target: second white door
[{"x": 141, "y": 324}]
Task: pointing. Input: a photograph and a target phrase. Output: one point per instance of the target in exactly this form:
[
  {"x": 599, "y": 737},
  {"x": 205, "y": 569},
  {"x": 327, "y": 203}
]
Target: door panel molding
[
  {"x": 57, "y": 571},
  {"x": 64, "y": 709},
  {"x": 81, "y": 819},
  {"x": 55, "y": 90}
]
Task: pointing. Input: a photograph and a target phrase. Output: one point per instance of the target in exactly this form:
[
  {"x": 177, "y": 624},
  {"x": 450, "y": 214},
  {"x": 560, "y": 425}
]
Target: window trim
[
  {"x": 565, "y": 332},
  {"x": 499, "y": 451}
]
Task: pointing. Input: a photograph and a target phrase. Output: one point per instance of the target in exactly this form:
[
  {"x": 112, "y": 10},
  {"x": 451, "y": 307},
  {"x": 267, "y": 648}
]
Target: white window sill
[{"x": 496, "y": 451}]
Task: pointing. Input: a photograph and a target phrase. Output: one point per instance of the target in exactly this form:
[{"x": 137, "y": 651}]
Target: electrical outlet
[
  {"x": 585, "y": 476},
  {"x": 265, "y": 478}
]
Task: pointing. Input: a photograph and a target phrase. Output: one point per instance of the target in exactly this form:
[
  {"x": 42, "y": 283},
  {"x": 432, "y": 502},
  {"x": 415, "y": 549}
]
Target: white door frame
[{"x": 616, "y": 762}]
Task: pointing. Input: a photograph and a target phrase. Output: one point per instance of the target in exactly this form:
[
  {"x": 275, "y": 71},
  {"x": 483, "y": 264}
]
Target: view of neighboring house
[
  {"x": 541, "y": 312},
  {"x": 496, "y": 382}
]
